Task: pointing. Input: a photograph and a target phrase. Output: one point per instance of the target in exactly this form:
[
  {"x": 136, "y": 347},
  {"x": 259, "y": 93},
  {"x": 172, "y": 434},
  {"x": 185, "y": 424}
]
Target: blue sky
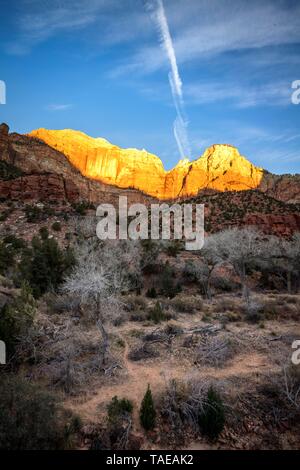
[{"x": 101, "y": 66}]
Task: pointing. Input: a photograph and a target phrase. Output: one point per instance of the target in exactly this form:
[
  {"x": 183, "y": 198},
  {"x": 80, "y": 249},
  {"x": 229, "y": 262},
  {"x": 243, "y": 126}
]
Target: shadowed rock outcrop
[{"x": 48, "y": 175}]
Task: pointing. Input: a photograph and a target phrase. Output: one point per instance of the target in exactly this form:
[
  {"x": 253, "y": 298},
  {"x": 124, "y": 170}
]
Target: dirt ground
[{"x": 259, "y": 353}]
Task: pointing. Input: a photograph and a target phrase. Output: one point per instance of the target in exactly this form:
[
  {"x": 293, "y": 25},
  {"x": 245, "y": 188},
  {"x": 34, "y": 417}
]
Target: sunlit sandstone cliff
[{"x": 221, "y": 167}]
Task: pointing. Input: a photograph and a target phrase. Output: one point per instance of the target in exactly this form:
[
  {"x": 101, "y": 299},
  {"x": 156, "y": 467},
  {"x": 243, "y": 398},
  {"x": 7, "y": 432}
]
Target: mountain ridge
[
  {"x": 221, "y": 167},
  {"x": 35, "y": 157}
]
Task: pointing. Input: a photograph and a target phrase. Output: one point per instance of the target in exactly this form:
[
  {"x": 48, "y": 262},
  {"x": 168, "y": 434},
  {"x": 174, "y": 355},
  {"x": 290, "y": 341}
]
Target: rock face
[
  {"x": 42, "y": 187},
  {"x": 281, "y": 225},
  {"x": 48, "y": 175},
  {"x": 281, "y": 187},
  {"x": 73, "y": 166},
  {"x": 221, "y": 167}
]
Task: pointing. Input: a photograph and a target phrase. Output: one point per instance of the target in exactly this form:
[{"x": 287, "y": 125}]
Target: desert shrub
[
  {"x": 81, "y": 207},
  {"x": 211, "y": 419},
  {"x": 164, "y": 334},
  {"x": 172, "y": 329},
  {"x": 287, "y": 385},
  {"x": 44, "y": 233},
  {"x": 117, "y": 435},
  {"x": 207, "y": 317},
  {"x": 45, "y": 265},
  {"x": 269, "y": 308},
  {"x": 280, "y": 307},
  {"x": 227, "y": 304},
  {"x": 175, "y": 407},
  {"x": 118, "y": 408},
  {"x": 232, "y": 317},
  {"x": 16, "y": 319},
  {"x": 253, "y": 311},
  {"x": 169, "y": 287},
  {"x": 4, "y": 215},
  {"x": 149, "y": 254},
  {"x": 139, "y": 316},
  {"x": 222, "y": 283},
  {"x": 289, "y": 299},
  {"x": 157, "y": 314},
  {"x": 191, "y": 404},
  {"x": 120, "y": 319},
  {"x": 187, "y": 304},
  {"x": 68, "y": 236},
  {"x": 16, "y": 243},
  {"x": 9, "y": 171},
  {"x": 34, "y": 213},
  {"x": 6, "y": 282},
  {"x": 151, "y": 293},
  {"x": 147, "y": 411},
  {"x": 10, "y": 247},
  {"x": 31, "y": 418},
  {"x": 56, "y": 226},
  {"x": 135, "y": 282},
  {"x": 189, "y": 272},
  {"x": 173, "y": 248},
  {"x": 146, "y": 351},
  {"x": 135, "y": 303},
  {"x": 60, "y": 303},
  {"x": 215, "y": 350},
  {"x": 7, "y": 257},
  {"x": 151, "y": 268}
]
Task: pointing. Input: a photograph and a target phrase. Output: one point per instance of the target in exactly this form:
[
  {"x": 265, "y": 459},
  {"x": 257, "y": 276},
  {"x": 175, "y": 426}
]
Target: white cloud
[
  {"x": 180, "y": 123},
  {"x": 37, "y": 20},
  {"x": 58, "y": 107},
  {"x": 210, "y": 28},
  {"x": 240, "y": 95}
]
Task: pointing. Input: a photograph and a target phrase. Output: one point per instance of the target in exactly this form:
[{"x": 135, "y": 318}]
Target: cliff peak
[{"x": 221, "y": 166}]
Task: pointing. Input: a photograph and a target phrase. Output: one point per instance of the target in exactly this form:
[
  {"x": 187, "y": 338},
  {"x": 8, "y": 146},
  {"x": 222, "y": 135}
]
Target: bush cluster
[{"x": 31, "y": 418}]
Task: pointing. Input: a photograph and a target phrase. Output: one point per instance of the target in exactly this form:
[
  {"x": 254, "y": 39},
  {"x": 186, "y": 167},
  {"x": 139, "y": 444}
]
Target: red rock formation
[
  {"x": 42, "y": 187},
  {"x": 221, "y": 167},
  {"x": 280, "y": 225},
  {"x": 35, "y": 157},
  {"x": 53, "y": 175}
]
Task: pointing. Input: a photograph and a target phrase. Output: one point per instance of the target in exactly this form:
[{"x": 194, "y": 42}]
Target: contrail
[{"x": 181, "y": 123}]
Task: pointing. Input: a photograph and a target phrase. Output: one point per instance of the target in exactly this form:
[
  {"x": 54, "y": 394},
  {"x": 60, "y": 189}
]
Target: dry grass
[
  {"x": 187, "y": 304},
  {"x": 228, "y": 304},
  {"x": 281, "y": 307},
  {"x": 215, "y": 351}
]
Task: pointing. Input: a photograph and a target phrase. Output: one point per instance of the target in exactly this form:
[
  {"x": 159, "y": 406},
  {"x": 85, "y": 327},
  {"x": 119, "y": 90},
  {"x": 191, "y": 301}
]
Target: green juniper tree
[
  {"x": 147, "y": 411},
  {"x": 212, "y": 418}
]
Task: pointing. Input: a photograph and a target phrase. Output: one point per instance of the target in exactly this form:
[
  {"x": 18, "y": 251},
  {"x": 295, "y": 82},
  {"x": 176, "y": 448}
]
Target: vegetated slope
[{"x": 238, "y": 208}]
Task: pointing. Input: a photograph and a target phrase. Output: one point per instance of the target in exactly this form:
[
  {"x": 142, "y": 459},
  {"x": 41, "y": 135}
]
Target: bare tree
[
  {"x": 100, "y": 276},
  {"x": 239, "y": 247},
  {"x": 282, "y": 256},
  {"x": 291, "y": 385},
  {"x": 202, "y": 269}
]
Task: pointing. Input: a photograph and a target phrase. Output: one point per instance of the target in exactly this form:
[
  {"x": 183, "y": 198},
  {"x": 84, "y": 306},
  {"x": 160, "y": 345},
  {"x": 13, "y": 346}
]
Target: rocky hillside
[
  {"x": 31, "y": 171},
  {"x": 241, "y": 208},
  {"x": 220, "y": 168},
  {"x": 42, "y": 173}
]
